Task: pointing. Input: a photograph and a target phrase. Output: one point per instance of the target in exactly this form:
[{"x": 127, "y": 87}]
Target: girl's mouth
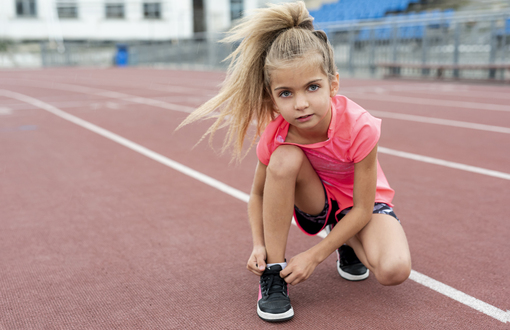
[{"x": 302, "y": 119}]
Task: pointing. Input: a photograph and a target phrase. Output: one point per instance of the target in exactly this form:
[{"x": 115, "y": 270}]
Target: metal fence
[
  {"x": 461, "y": 46},
  {"x": 468, "y": 46}
]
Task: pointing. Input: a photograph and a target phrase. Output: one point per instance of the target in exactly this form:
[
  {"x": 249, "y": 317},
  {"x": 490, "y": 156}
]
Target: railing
[
  {"x": 476, "y": 42},
  {"x": 417, "y": 47}
]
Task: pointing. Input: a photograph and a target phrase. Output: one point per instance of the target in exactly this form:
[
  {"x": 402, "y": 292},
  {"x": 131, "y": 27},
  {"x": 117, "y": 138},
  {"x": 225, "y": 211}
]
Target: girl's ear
[{"x": 335, "y": 85}]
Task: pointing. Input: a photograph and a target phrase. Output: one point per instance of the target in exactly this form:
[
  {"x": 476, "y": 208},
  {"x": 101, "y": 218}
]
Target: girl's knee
[
  {"x": 286, "y": 161},
  {"x": 393, "y": 272}
]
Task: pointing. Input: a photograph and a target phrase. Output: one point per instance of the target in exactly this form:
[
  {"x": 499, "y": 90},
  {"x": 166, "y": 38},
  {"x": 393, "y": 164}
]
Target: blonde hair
[{"x": 270, "y": 38}]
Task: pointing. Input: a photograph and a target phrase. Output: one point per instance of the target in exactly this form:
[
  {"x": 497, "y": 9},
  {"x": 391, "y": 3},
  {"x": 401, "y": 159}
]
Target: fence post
[
  {"x": 494, "y": 46},
  {"x": 44, "y": 61},
  {"x": 503, "y": 48},
  {"x": 67, "y": 54},
  {"x": 456, "y": 43},
  {"x": 395, "y": 70},
  {"x": 371, "y": 58},
  {"x": 424, "y": 52},
  {"x": 176, "y": 47},
  {"x": 351, "y": 51},
  {"x": 211, "y": 50}
]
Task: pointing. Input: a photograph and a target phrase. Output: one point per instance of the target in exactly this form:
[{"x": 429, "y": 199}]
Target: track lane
[
  {"x": 87, "y": 241},
  {"x": 159, "y": 139},
  {"x": 487, "y": 117},
  {"x": 137, "y": 81},
  {"x": 460, "y": 149},
  {"x": 420, "y": 138},
  {"x": 248, "y": 180},
  {"x": 377, "y": 321}
]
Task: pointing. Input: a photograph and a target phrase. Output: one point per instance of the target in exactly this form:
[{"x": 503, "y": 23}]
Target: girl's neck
[{"x": 319, "y": 133}]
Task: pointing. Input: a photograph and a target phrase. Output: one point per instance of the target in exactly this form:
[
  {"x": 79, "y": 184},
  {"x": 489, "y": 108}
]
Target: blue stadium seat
[
  {"x": 505, "y": 31},
  {"x": 353, "y": 10},
  {"x": 447, "y": 17},
  {"x": 357, "y": 9},
  {"x": 363, "y": 35},
  {"x": 435, "y": 19}
]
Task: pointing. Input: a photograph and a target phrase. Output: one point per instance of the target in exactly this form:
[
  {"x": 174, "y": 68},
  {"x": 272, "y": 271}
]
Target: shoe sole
[
  {"x": 351, "y": 277},
  {"x": 269, "y": 317}
]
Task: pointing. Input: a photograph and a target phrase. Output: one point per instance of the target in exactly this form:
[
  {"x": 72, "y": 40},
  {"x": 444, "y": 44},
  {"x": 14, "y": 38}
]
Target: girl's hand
[
  {"x": 299, "y": 268},
  {"x": 257, "y": 261}
]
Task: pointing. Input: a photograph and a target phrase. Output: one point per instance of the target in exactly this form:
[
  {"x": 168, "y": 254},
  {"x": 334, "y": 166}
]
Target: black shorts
[{"x": 313, "y": 224}]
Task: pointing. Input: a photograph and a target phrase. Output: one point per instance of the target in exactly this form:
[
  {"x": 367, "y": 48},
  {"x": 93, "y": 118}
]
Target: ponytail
[{"x": 269, "y": 37}]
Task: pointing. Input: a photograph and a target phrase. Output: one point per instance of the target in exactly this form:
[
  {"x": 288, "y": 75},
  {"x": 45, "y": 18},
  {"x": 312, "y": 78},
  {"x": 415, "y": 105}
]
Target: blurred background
[{"x": 426, "y": 39}]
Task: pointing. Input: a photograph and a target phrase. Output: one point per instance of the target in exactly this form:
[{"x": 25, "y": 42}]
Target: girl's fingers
[
  {"x": 261, "y": 264},
  {"x": 257, "y": 261},
  {"x": 287, "y": 275},
  {"x": 254, "y": 265},
  {"x": 291, "y": 279}
]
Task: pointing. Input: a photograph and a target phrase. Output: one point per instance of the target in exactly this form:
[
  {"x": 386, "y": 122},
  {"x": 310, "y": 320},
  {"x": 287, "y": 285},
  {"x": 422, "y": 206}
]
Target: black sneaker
[
  {"x": 347, "y": 263},
  {"x": 273, "y": 304},
  {"x": 349, "y": 266}
]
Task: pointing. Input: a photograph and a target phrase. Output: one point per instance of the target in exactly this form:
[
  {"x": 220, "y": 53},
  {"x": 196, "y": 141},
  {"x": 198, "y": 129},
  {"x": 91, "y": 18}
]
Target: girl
[{"x": 317, "y": 158}]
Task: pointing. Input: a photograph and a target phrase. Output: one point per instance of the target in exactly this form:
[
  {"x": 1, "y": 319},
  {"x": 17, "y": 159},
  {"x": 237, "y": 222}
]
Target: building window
[
  {"x": 67, "y": 10},
  {"x": 152, "y": 10},
  {"x": 114, "y": 10},
  {"x": 236, "y": 9},
  {"x": 198, "y": 16},
  {"x": 26, "y": 8}
]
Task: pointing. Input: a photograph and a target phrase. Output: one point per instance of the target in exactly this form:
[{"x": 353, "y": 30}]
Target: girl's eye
[
  {"x": 285, "y": 94},
  {"x": 313, "y": 87}
]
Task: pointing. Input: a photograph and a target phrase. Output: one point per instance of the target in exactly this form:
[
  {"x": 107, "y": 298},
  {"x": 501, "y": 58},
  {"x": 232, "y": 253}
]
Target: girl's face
[{"x": 302, "y": 94}]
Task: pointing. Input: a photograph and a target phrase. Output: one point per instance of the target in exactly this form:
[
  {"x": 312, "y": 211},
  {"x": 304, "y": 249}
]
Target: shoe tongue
[
  {"x": 277, "y": 284},
  {"x": 275, "y": 268}
]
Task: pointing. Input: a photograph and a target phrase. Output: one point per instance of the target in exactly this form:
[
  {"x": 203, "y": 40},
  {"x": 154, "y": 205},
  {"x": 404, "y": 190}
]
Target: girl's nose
[{"x": 301, "y": 103}]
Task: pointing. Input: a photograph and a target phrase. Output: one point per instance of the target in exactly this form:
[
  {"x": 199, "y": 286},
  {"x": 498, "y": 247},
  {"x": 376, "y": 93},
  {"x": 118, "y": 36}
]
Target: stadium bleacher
[
  {"x": 505, "y": 31},
  {"x": 387, "y": 11},
  {"x": 347, "y": 10}
]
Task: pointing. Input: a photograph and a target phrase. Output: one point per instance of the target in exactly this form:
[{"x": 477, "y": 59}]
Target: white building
[{"x": 117, "y": 19}]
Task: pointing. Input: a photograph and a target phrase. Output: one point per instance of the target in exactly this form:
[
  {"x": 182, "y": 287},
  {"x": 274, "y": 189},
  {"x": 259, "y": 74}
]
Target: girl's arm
[
  {"x": 257, "y": 260},
  {"x": 365, "y": 182}
]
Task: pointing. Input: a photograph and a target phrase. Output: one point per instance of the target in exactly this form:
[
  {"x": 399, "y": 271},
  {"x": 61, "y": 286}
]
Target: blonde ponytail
[{"x": 268, "y": 38}]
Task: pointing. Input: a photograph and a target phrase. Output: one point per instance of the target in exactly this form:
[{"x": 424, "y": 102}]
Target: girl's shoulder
[
  {"x": 347, "y": 109},
  {"x": 355, "y": 130},
  {"x": 273, "y": 134},
  {"x": 275, "y": 126},
  {"x": 349, "y": 118}
]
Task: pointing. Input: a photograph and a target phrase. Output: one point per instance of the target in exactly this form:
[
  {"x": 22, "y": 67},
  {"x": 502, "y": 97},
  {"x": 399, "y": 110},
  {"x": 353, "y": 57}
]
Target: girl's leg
[
  {"x": 290, "y": 179},
  {"x": 382, "y": 247}
]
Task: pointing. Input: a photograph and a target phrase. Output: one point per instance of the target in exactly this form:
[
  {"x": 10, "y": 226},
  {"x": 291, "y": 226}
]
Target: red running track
[{"x": 97, "y": 236}]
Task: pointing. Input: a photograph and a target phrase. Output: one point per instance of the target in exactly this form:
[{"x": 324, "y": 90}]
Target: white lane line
[
  {"x": 436, "y": 161},
  {"x": 434, "y": 102},
  {"x": 460, "y": 296},
  {"x": 5, "y": 111},
  {"x": 111, "y": 94},
  {"x": 444, "y": 289},
  {"x": 435, "y": 89},
  {"x": 439, "y": 121},
  {"x": 466, "y": 91},
  {"x": 129, "y": 144}
]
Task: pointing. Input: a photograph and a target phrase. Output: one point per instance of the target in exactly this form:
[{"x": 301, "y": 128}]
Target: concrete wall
[{"x": 91, "y": 24}]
